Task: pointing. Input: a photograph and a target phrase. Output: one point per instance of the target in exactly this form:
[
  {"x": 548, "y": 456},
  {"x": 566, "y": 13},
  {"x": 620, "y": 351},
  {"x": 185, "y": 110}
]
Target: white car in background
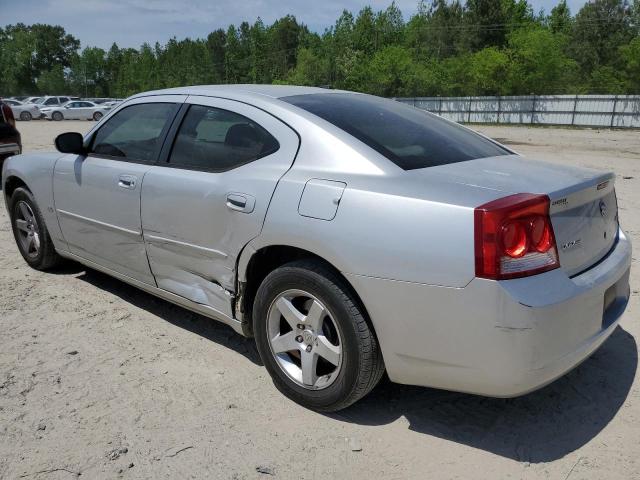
[
  {"x": 75, "y": 110},
  {"x": 23, "y": 111}
]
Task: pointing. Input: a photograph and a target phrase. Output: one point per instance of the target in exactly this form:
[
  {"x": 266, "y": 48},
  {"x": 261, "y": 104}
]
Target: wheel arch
[
  {"x": 255, "y": 264},
  {"x": 11, "y": 183}
]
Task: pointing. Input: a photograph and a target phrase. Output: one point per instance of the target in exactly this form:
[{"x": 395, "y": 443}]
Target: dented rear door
[{"x": 208, "y": 195}]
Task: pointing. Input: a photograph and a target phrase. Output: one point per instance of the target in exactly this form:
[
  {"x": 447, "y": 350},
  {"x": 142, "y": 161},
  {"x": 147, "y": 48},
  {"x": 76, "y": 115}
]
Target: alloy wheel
[
  {"x": 304, "y": 339},
  {"x": 28, "y": 230}
]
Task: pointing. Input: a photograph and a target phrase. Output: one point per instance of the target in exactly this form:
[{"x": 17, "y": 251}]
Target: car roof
[{"x": 248, "y": 90}]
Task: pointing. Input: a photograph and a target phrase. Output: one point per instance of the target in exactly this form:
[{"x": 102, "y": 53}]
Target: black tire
[
  {"x": 97, "y": 116},
  {"x": 57, "y": 116},
  {"x": 46, "y": 256},
  {"x": 362, "y": 365},
  {"x": 26, "y": 116}
]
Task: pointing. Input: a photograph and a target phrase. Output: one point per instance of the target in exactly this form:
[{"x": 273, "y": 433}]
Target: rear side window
[
  {"x": 409, "y": 137},
  {"x": 135, "y": 132},
  {"x": 216, "y": 140}
]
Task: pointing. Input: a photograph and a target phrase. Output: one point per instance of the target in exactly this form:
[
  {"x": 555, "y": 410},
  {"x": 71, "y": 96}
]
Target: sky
[{"x": 130, "y": 23}]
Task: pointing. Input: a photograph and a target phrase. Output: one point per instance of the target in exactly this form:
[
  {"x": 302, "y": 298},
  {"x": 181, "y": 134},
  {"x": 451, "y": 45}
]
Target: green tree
[
  {"x": 560, "y": 20},
  {"x": 52, "y": 82},
  {"x": 631, "y": 65},
  {"x": 601, "y": 27},
  {"x": 488, "y": 69},
  {"x": 485, "y": 24},
  {"x": 539, "y": 64},
  {"x": 435, "y": 30}
]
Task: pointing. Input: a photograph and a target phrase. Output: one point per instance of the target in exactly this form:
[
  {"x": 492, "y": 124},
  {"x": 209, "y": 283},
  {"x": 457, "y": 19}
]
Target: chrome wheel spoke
[
  {"x": 315, "y": 316},
  {"x": 309, "y": 361},
  {"x": 26, "y": 214},
  {"x": 291, "y": 314},
  {"x": 29, "y": 243},
  {"x": 22, "y": 225},
  {"x": 36, "y": 242},
  {"x": 284, "y": 343},
  {"x": 328, "y": 351}
]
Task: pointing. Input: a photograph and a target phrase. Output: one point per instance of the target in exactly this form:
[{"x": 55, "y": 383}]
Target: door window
[
  {"x": 51, "y": 101},
  {"x": 216, "y": 140},
  {"x": 135, "y": 132}
]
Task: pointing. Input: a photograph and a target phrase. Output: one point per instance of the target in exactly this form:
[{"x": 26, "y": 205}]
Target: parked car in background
[
  {"x": 10, "y": 142},
  {"x": 347, "y": 233},
  {"x": 20, "y": 98},
  {"x": 31, "y": 99},
  {"x": 50, "y": 101},
  {"x": 75, "y": 110},
  {"x": 23, "y": 111}
]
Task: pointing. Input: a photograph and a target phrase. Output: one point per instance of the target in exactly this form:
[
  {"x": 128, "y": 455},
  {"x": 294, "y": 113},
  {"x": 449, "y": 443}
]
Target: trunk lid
[{"x": 584, "y": 210}]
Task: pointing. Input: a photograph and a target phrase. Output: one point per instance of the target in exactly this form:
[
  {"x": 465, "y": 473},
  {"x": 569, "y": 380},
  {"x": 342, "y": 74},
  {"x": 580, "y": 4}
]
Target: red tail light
[{"x": 514, "y": 237}]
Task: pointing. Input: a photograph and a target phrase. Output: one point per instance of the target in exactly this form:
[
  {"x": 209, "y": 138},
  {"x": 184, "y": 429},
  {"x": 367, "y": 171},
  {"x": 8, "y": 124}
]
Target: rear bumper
[{"x": 499, "y": 339}]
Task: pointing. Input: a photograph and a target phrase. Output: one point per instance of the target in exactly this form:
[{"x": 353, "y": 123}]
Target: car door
[
  {"x": 81, "y": 110},
  {"x": 208, "y": 195},
  {"x": 97, "y": 196},
  {"x": 71, "y": 111}
]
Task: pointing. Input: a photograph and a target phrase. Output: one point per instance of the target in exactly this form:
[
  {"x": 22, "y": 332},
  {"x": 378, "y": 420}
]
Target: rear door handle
[
  {"x": 241, "y": 202},
  {"x": 127, "y": 181}
]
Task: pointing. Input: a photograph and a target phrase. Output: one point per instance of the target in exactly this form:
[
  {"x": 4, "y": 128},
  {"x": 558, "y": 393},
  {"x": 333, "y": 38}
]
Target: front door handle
[
  {"x": 127, "y": 181},
  {"x": 241, "y": 202}
]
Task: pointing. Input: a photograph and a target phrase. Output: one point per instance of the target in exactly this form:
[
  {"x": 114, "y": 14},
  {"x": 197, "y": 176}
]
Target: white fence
[{"x": 613, "y": 111}]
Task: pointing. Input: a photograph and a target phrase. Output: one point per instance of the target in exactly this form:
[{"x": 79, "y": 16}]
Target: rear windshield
[{"x": 409, "y": 137}]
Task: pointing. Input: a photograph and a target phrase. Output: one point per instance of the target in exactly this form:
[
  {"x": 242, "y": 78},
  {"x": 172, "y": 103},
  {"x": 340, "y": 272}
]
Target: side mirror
[{"x": 70, "y": 142}]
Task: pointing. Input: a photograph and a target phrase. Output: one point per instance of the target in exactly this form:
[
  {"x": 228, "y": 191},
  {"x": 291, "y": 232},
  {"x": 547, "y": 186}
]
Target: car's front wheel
[
  {"x": 313, "y": 338},
  {"x": 97, "y": 116},
  {"x": 57, "y": 116},
  {"x": 30, "y": 231},
  {"x": 25, "y": 116}
]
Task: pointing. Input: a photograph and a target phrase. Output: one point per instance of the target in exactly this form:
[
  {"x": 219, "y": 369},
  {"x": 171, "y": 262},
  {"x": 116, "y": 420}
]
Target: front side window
[
  {"x": 51, "y": 101},
  {"x": 135, "y": 132},
  {"x": 409, "y": 137},
  {"x": 217, "y": 140}
]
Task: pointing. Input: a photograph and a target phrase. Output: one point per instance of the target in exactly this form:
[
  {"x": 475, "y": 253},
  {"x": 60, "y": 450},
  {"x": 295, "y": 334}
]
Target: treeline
[{"x": 477, "y": 47}]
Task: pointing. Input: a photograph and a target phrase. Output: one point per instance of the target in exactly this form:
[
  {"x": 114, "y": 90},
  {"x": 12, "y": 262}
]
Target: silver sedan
[
  {"x": 23, "y": 111},
  {"x": 350, "y": 235},
  {"x": 75, "y": 110}
]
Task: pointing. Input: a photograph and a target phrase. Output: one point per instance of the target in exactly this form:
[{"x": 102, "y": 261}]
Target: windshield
[{"x": 409, "y": 137}]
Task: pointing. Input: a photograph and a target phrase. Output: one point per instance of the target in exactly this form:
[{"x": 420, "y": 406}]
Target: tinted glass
[
  {"x": 135, "y": 132},
  {"x": 409, "y": 137},
  {"x": 51, "y": 101},
  {"x": 214, "y": 139}
]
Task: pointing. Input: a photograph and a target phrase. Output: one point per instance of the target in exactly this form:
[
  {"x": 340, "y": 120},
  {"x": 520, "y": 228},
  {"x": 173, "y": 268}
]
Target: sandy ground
[{"x": 101, "y": 380}]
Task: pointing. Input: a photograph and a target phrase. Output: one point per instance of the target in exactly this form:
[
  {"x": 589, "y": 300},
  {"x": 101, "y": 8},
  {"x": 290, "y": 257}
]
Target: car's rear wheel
[
  {"x": 97, "y": 116},
  {"x": 57, "y": 116},
  {"x": 313, "y": 337},
  {"x": 25, "y": 116},
  {"x": 30, "y": 231}
]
